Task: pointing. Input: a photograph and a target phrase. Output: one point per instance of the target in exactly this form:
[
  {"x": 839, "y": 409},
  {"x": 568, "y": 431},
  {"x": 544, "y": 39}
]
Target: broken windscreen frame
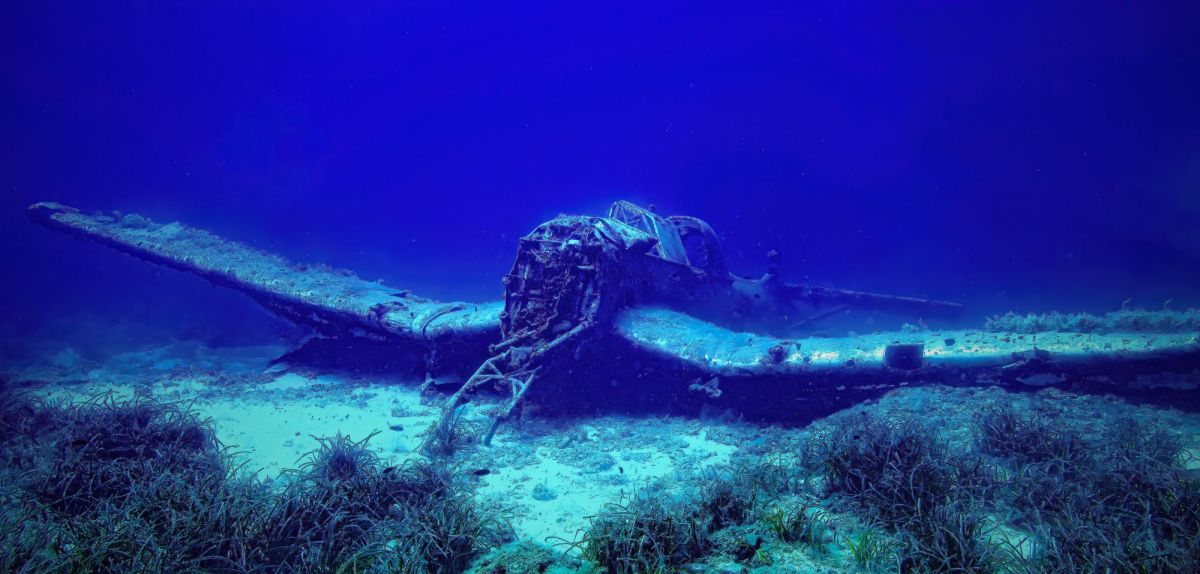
[{"x": 669, "y": 247}]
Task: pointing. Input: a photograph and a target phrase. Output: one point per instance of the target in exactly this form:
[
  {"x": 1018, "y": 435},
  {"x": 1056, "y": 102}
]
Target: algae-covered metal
[{"x": 631, "y": 298}]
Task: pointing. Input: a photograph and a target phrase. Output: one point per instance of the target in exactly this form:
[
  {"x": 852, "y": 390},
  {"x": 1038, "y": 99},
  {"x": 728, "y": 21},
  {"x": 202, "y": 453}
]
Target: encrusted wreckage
[{"x": 635, "y": 310}]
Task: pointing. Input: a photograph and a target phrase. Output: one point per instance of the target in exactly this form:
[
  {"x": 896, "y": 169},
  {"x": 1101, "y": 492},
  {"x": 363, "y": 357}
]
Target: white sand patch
[
  {"x": 552, "y": 479},
  {"x": 275, "y": 434},
  {"x": 269, "y": 418}
]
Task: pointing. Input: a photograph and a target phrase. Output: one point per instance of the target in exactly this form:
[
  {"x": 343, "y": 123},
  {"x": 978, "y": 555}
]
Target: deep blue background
[{"x": 1033, "y": 156}]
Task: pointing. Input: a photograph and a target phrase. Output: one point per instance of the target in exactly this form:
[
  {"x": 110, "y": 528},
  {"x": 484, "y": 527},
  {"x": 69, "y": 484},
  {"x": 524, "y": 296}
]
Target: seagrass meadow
[{"x": 299, "y": 472}]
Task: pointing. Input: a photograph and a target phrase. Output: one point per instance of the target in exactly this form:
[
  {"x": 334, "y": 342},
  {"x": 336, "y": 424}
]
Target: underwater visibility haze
[{"x": 674, "y": 287}]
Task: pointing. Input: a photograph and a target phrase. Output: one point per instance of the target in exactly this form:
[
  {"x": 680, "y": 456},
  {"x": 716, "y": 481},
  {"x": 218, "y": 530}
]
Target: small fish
[
  {"x": 396, "y": 427},
  {"x": 481, "y": 472}
]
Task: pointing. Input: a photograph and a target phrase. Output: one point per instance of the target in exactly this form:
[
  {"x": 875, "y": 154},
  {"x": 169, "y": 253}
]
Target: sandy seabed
[{"x": 548, "y": 474}]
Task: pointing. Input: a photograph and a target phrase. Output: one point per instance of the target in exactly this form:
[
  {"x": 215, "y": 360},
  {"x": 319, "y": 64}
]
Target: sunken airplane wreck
[{"x": 649, "y": 300}]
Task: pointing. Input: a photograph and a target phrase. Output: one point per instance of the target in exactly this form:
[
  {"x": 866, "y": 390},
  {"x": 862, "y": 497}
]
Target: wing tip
[{"x": 45, "y": 210}]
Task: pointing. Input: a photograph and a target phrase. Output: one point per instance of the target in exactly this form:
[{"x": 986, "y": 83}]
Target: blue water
[
  {"x": 1027, "y": 157},
  {"x": 1010, "y": 157}
]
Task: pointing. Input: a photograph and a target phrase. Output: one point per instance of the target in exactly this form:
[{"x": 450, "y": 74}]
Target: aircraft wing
[
  {"x": 333, "y": 303},
  {"x": 1121, "y": 360}
]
